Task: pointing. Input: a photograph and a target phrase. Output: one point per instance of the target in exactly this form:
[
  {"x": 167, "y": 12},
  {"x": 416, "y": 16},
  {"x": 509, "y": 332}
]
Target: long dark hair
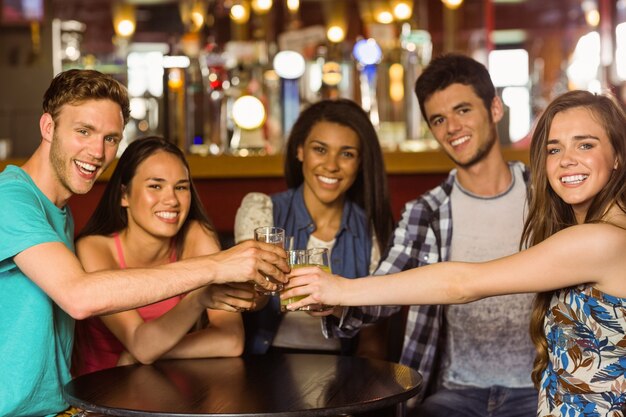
[
  {"x": 370, "y": 190},
  {"x": 548, "y": 213},
  {"x": 110, "y": 217}
]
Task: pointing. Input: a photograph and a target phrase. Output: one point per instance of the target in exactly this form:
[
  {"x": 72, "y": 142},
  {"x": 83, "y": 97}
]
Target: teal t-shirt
[{"x": 36, "y": 335}]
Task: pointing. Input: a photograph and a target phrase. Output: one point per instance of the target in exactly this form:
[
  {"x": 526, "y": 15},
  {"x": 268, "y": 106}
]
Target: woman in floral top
[{"x": 576, "y": 233}]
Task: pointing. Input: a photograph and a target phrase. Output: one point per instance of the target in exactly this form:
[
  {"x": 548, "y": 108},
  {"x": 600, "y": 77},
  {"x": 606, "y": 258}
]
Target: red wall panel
[{"x": 221, "y": 197}]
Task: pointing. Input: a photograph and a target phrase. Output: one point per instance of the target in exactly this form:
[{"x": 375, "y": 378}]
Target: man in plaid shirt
[{"x": 476, "y": 359}]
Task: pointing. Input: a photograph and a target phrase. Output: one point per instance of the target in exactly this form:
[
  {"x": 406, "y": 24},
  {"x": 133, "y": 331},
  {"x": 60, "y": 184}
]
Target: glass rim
[
  {"x": 269, "y": 230},
  {"x": 296, "y": 250},
  {"x": 317, "y": 250}
]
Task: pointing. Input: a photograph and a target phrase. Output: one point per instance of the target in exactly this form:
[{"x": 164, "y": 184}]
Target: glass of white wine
[{"x": 275, "y": 236}]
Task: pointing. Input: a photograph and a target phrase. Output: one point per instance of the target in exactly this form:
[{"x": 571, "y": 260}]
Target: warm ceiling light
[
  {"x": 402, "y": 10},
  {"x": 335, "y": 34},
  {"x": 592, "y": 17},
  {"x": 125, "y": 28},
  {"x": 193, "y": 14},
  {"x": 384, "y": 17},
  {"x": 452, "y": 4},
  {"x": 248, "y": 112},
  {"x": 335, "y": 16},
  {"x": 240, "y": 13},
  {"x": 197, "y": 18},
  {"x": 124, "y": 19},
  {"x": 261, "y": 6},
  {"x": 293, "y": 5},
  {"x": 381, "y": 12}
]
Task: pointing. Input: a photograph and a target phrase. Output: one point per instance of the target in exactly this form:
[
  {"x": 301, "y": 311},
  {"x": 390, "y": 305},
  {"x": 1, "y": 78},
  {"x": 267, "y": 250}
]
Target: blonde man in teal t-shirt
[{"x": 43, "y": 287}]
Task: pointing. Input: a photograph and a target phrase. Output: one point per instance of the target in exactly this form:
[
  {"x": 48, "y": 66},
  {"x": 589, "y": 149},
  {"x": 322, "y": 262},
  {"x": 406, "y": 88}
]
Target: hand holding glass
[
  {"x": 313, "y": 257},
  {"x": 296, "y": 259},
  {"x": 275, "y": 236},
  {"x": 321, "y": 258}
]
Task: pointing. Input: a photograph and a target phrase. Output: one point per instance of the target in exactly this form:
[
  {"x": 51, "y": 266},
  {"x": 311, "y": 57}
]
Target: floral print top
[{"x": 586, "y": 374}]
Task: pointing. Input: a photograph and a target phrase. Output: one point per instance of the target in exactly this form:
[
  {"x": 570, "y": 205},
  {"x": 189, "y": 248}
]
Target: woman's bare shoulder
[
  {"x": 592, "y": 237},
  {"x": 97, "y": 252},
  {"x": 94, "y": 242},
  {"x": 198, "y": 230},
  {"x": 200, "y": 240},
  {"x": 607, "y": 244}
]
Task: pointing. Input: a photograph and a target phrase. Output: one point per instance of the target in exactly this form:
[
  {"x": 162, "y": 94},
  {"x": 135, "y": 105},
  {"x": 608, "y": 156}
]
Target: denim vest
[{"x": 350, "y": 258}]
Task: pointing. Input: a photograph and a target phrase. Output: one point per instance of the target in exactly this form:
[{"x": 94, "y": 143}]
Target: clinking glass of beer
[
  {"x": 304, "y": 258},
  {"x": 275, "y": 236}
]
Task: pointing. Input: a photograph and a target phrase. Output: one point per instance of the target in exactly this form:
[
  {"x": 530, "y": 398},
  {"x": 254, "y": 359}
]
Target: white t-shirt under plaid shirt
[{"x": 423, "y": 236}]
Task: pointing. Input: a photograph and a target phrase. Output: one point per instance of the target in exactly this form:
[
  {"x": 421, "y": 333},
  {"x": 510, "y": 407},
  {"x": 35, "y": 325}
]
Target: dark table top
[{"x": 289, "y": 385}]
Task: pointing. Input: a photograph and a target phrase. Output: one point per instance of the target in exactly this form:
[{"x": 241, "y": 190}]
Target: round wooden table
[{"x": 288, "y": 385}]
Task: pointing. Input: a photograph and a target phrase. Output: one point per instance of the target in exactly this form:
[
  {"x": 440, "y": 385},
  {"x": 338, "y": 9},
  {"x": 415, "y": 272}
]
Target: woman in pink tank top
[{"x": 150, "y": 214}]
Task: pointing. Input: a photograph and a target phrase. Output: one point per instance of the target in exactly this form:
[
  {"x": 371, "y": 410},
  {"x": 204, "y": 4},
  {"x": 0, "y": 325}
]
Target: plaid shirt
[{"x": 423, "y": 236}]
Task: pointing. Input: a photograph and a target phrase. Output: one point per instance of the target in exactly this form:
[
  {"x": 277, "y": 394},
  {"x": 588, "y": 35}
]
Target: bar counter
[
  {"x": 223, "y": 181},
  {"x": 270, "y": 166},
  {"x": 397, "y": 163}
]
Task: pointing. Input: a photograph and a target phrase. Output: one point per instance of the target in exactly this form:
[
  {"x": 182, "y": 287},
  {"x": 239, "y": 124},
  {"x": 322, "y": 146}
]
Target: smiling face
[
  {"x": 83, "y": 142},
  {"x": 580, "y": 158},
  {"x": 330, "y": 159},
  {"x": 159, "y": 196},
  {"x": 461, "y": 124}
]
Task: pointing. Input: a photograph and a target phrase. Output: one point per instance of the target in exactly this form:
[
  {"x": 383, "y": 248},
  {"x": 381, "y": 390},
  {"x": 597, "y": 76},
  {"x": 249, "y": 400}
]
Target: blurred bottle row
[{"x": 242, "y": 99}]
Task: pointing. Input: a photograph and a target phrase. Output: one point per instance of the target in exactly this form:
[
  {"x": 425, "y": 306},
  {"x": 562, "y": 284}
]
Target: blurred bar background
[{"x": 225, "y": 79}]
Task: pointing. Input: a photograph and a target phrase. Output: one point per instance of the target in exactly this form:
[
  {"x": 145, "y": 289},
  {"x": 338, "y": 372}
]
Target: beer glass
[
  {"x": 318, "y": 257},
  {"x": 275, "y": 236},
  {"x": 296, "y": 259}
]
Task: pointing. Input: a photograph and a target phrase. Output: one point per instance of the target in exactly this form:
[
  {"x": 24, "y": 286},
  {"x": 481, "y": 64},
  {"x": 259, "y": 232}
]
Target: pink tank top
[{"x": 97, "y": 347}]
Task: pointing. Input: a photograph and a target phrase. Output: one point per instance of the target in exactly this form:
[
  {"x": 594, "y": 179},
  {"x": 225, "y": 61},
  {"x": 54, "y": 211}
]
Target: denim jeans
[{"x": 479, "y": 402}]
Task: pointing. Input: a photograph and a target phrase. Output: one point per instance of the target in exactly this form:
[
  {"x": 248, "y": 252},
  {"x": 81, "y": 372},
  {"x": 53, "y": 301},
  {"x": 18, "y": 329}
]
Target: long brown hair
[{"x": 548, "y": 213}]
